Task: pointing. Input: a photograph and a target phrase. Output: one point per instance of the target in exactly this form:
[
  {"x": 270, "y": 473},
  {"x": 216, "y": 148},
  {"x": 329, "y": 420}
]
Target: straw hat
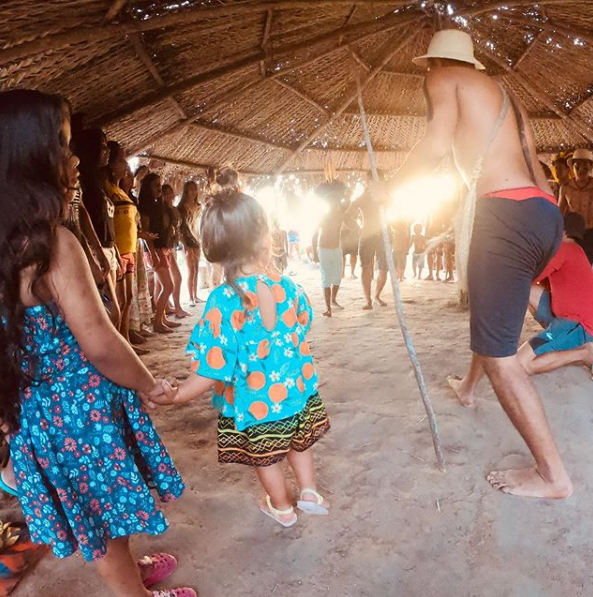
[
  {"x": 452, "y": 44},
  {"x": 581, "y": 154}
]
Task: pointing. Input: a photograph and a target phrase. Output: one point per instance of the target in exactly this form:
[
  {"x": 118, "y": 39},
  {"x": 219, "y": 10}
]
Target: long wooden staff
[{"x": 434, "y": 430}]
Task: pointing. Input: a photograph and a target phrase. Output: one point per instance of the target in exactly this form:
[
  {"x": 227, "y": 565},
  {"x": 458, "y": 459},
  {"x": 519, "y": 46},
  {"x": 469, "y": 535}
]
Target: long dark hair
[
  {"x": 234, "y": 232},
  {"x": 33, "y": 182}
]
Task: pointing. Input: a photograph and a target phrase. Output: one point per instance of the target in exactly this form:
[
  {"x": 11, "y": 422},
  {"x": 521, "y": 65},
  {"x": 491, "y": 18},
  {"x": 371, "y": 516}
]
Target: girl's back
[{"x": 259, "y": 355}]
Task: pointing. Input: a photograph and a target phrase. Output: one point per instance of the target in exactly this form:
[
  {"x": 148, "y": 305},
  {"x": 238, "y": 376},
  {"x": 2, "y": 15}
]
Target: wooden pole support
[{"x": 434, "y": 430}]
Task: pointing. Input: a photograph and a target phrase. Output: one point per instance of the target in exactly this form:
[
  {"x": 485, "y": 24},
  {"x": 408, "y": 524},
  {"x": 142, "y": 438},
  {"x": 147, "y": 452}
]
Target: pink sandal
[
  {"x": 183, "y": 592},
  {"x": 162, "y": 564}
]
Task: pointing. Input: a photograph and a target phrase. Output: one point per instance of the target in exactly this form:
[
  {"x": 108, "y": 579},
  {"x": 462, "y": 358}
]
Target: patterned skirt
[{"x": 269, "y": 443}]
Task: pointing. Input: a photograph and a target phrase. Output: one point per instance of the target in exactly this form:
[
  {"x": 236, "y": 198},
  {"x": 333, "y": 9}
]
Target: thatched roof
[{"x": 271, "y": 86}]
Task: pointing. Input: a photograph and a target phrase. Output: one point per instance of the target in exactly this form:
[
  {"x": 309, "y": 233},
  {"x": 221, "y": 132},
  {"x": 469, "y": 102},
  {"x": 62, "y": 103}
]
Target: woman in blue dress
[{"x": 84, "y": 449}]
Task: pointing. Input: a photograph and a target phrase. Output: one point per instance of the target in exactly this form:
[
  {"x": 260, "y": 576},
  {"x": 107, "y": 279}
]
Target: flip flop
[
  {"x": 276, "y": 514},
  {"x": 163, "y": 565},
  {"x": 7, "y": 488},
  {"x": 316, "y": 508}
]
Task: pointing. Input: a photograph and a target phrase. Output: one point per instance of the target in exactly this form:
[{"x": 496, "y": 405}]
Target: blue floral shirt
[{"x": 262, "y": 375}]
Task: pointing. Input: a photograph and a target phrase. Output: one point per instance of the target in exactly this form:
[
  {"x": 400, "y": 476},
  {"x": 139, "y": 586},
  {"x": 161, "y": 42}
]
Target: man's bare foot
[
  {"x": 171, "y": 324},
  {"x": 337, "y": 306},
  {"x": 181, "y": 314},
  {"x": 465, "y": 398},
  {"x": 368, "y": 307},
  {"x": 327, "y": 313},
  {"x": 528, "y": 482},
  {"x": 380, "y": 301},
  {"x": 162, "y": 329}
]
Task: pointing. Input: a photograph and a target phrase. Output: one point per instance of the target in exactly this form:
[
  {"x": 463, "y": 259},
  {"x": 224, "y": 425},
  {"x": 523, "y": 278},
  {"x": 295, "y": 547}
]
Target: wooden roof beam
[
  {"x": 246, "y": 60},
  {"x": 116, "y": 7},
  {"x": 368, "y": 78},
  {"x": 504, "y": 4},
  {"x": 144, "y": 56},
  {"x": 193, "y": 165},
  {"x": 302, "y": 95},
  {"x": 549, "y": 26},
  {"x": 359, "y": 59},
  {"x": 265, "y": 38},
  {"x": 186, "y": 17},
  {"x": 528, "y": 50},
  {"x": 573, "y": 122},
  {"x": 237, "y": 135}
]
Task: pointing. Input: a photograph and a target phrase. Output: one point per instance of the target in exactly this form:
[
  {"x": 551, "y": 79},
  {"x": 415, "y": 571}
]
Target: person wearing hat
[
  {"x": 561, "y": 301},
  {"x": 576, "y": 195},
  {"x": 561, "y": 169},
  {"x": 517, "y": 230}
]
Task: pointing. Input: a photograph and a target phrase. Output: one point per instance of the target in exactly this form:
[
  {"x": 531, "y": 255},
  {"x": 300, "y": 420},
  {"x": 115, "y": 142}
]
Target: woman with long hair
[
  {"x": 189, "y": 209},
  {"x": 83, "y": 447},
  {"x": 93, "y": 152},
  {"x": 157, "y": 219},
  {"x": 174, "y": 237}
]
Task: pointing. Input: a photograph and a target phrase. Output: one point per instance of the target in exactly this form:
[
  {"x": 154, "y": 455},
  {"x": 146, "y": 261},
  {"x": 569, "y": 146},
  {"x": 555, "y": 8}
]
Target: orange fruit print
[
  {"x": 263, "y": 349},
  {"x": 229, "y": 394},
  {"x": 279, "y": 293},
  {"x": 238, "y": 320},
  {"x": 256, "y": 380},
  {"x": 278, "y": 392},
  {"x": 308, "y": 370},
  {"x": 289, "y": 317},
  {"x": 259, "y": 410},
  {"x": 215, "y": 358}
]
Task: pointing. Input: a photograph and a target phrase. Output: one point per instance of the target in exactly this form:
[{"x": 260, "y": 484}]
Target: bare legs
[
  {"x": 519, "y": 399},
  {"x": 119, "y": 570},
  {"x": 177, "y": 281},
  {"x": 193, "y": 264},
  {"x": 161, "y": 324},
  {"x": 125, "y": 300},
  {"x": 367, "y": 281},
  {"x": 273, "y": 479}
]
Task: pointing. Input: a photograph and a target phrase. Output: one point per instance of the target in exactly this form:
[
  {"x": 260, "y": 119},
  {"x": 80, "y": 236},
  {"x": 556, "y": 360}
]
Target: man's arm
[
  {"x": 441, "y": 122},
  {"x": 563, "y": 201}
]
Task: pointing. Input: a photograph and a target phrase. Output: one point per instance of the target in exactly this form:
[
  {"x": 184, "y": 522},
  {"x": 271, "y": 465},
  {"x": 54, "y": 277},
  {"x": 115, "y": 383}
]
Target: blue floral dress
[{"x": 87, "y": 452}]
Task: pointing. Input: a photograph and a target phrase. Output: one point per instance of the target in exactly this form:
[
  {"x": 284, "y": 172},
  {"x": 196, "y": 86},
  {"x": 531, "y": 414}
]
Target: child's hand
[
  {"x": 156, "y": 395},
  {"x": 164, "y": 392},
  {"x": 169, "y": 390}
]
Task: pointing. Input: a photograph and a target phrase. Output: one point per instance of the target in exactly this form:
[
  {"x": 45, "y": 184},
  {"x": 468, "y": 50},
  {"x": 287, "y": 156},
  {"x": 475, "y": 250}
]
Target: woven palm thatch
[{"x": 270, "y": 86}]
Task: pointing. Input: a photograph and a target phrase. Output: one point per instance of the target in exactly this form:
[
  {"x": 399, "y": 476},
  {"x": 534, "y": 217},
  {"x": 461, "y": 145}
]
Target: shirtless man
[
  {"x": 370, "y": 247},
  {"x": 576, "y": 195},
  {"x": 565, "y": 311},
  {"x": 327, "y": 242},
  {"x": 463, "y": 106}
]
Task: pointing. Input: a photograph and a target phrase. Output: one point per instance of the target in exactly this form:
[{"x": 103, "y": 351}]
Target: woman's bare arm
[{"x": 72, "y": 287}]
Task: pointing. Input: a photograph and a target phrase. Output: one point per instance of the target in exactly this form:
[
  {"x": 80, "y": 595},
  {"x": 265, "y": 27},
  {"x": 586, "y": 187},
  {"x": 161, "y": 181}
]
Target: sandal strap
[
  {"x": 314, "y": 493},
  {"x": 276, "y": 512}
]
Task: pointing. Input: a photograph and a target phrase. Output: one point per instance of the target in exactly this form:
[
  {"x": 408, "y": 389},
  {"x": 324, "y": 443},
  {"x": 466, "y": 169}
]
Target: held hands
[{"x": 162, "y": 394}]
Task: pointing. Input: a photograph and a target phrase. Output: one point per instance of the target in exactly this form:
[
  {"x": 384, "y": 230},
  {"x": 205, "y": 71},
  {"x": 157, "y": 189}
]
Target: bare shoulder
[
  {"x": 66, "y": 246},
  {"x": 68, "y": 259}
]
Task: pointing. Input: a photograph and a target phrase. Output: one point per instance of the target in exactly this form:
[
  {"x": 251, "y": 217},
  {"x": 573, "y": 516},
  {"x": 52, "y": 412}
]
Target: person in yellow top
[{"x": 126, "y": 231}]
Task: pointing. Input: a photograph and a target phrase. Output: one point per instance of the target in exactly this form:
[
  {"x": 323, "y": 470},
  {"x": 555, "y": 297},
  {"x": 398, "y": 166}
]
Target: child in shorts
[{"x": 250, "y": 347}]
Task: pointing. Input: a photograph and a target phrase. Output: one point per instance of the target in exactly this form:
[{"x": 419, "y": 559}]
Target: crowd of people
[
  {"x": 88, "y": 269},
  {"x": 130, "y": 227}
]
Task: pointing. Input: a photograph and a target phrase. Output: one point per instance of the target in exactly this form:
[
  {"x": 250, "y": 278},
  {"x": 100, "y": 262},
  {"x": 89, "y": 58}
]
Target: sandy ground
[{"x": 398, "y": 526}]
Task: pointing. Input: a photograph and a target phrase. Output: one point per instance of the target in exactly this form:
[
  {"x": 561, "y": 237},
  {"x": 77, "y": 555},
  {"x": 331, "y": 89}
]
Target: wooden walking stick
[{"x": 434, "y": 430}]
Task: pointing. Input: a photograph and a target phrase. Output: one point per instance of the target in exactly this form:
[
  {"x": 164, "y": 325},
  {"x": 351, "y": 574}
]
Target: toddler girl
[{"x": 250, "y": 347}]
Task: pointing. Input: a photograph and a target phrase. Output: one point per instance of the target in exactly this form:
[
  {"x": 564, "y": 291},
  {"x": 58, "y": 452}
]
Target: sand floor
[{"x": 398, "y": 526}]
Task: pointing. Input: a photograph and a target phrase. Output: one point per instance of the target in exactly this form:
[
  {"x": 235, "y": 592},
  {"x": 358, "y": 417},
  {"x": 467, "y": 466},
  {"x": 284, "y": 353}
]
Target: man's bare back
[{"x": 463, "y": 105}]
